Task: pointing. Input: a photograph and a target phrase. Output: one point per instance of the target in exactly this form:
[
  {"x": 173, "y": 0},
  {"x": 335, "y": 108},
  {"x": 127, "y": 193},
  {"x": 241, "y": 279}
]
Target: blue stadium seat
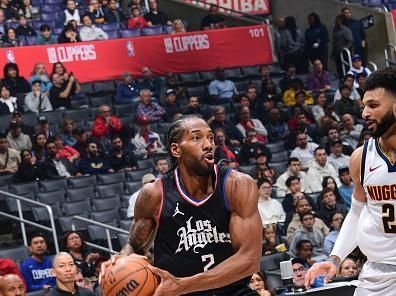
[
  {"x": 81, "y": 181},
  {"x": 110, "y": 27},
  {"x": 112, "y": 34},
  {"x": 129, "y": 33},
  {"x": 51, "y": 17},
  {"x": 80, "y": 193},
  {"x": 110, "y": 178},
  {"x": 97, "y": 101},
  {"x": 154, "y": 30},
  {"x": 16, "y": 254},
  {"x": 49, "y": 8}
]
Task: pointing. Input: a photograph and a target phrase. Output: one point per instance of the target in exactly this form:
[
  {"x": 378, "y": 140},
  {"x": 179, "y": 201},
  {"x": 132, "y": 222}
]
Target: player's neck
[
  {"x": 196, "y": 186},
  {"x": 388, "y": 140}
]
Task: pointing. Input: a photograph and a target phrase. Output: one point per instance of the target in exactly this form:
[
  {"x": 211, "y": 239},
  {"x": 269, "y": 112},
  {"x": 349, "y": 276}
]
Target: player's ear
[{"x": 175, "y": 150}]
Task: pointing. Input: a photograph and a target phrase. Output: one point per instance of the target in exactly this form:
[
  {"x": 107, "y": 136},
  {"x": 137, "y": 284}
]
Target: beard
[
  {"x": 198, "y": 167},
  {"x": 385, "y": 124}
]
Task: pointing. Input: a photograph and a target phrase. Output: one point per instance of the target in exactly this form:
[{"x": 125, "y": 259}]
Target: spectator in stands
[
  {"x": 272, "y": 243},
  {"x": 9, "y": 11},
  {"x": 342, "y": 38},
  {"x": 62, "y": 91},
  {"x": 29, "y": 11},
  {"x": 9, "y": 157},
  {"x": 357, "y": 68},
  {"x": 346, "y": 104},
  {"x": 65, "y": 271},
  {"x": 328, "y": 199},
  {"x": 127, "y": 90},
  {"x": 114, "y": 14},
  {"x": 336, "y": 157},
  {"x": 89, "y": 32},
  {"x": 271, "y": 211},
  {"x": 290, "y": 95},
  {"x": 293, "y": 169},
  {"x": 40, "y": 74},
  {"x": 67, "y": 136},
  {"x": 95, "y": 11},
  {"x": 336, "y": 220},
  {"x": 136, "y": 21},
  {"x": 290, "y": 76},
  {"x": 156, "y": 17},
  {"x": 17, "y": 84},
  {"x": 262, "y": 169},
  {"x": 54, "y": 167},
  {"x": 292, "y": 46},
  {"x": 304, "y": 251},
  {"x": 8, "y": 104},
  {"x": 330, "y": 183},
  {"x": 70, "y": 13},
  {"x": 318, "y": 110},
  {"x": 2, "y": 21},
  {"x": 36, "y": 101},
  {"x": 26, "y": 129},
  {"x": 178, "y": 27},
  {"x": 161, "y": 165},
  {"x": 218, "y": 120},
  {"x": 222, "y": 90},
  {"x": 333, "y": 136},
  {"x": 259, "y": 284},
  {"x": 247, "y": 123},
  {"x": 172, "y": 82},
  {"x": 147, "y": 178},
  {"x": 316, "y": 40},
  {"x": 348, "y": 268},
  {"x": 16, "y": 138},
  {"x": 138, "y": 3},
  {"x": 69, "y": 34},
  {"x": 359, "y": 37},
  {"x": 224, "y": 151},
  {"x": 105, "y": 124},
  {"x": 36, "y": 270},
  {"x": 299, "y": 272},
  {"x": 361, "y": 79},
  {"x": 81, "y": 141},
  {"x": 349, "y": 80},
  {"x": 28, "y": 171},
  {"x": 65, "y": 151},
  {"x": 252, "y": 148},
  {"x": 151, "y": 110},
  {"x": 94, "y": 162},
  {"x": 351, "y": 131},
  {"x": 151, "y": 82},
  {"x": 38, "y": 150},
  {"x": 12, "y": 284},
  {"x": 346, "y": 188},
  {"x": 318, "y": 79},
  {"x": 320, "y": 168},
  {"x": 195, "y": 108},
  {"x": 308, "y": 232},
  {"x": 279, "y": 29},
  {"x": 23, "y": 29},
  {"x": 121, "y": 159},
  {"x": 269, "y": 90},
  {"x": 293, "y": 194},
  {"x": 304, "y": 150},
  {"x": 43, "y": 127},
  {"x": 213, "y": 20},
  {"x": 10, "y": 38},
  {"x": 146, "y": 142},
  {"x": 171, "y": 106},
  {"x": 251, "y": 94}
]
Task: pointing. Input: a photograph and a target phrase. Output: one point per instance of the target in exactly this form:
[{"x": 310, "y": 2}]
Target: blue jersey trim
[{"x": 227, "y": 205}]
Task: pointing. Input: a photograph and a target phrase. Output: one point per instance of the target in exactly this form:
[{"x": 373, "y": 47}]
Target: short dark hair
[
  {"x": 37, "y": 234},
  {"x": 319, "y": 148},
  {"x": 348, "y": 76},
  {"x": 301, "y": 243},
  {"x": 261, "y": 181},
  {"x": 159, "y": 157},
  {"x": 384, "y": 78},
  {"x": 291, "y": 179},
  {"x": 45, "y": 27},
  {"x": 3, "y": 136},
  {"x": 325, "y": 191},
  {"x": 291, "y": 159},
  {"x": 332, "y": 214},
  {"x": 306, "y": 214},
  {"x": 345, "y": 8}
]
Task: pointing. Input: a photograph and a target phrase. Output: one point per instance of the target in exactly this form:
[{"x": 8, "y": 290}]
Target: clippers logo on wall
[{"x": 245, "y": 6}]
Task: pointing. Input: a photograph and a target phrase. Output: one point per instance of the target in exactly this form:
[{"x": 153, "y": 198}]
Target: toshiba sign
[{"x": 245, "y": 6}]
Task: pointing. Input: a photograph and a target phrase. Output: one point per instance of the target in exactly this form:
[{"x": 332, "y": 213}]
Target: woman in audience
[
  {"x": 73, "y": 243},
  {"x": 40, "y": 73},
  {"x": 136, "y": 20},
  {"x": 336, "y": 219},
  {"x": 8, "y": 104},
  {"x": 65, "y": 151},
  {"x": 270, "y": 91},
  {"x": 258, "y": 283},
  {"x": 27, "y": 169},
  {"x": 10, "y": 38},
  {"x": 38, "y": 150},
  {"x": 67, "y": 132},
  {"x": 318, "y": 109},
  {"x": 348, "y": 268},
  {"x": 178, "y": 27},
  {"x": 365, "y": 135},
  {"x": 69, "y": 34},
  {"x": 17, "y": 84},
  {"x": 329, "y": 182},
  {"x": 29, "y": 11},
  {"x": 272, "y": 243}
]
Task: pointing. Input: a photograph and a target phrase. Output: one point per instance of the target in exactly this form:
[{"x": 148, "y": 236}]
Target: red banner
[
  {"x": 188, "y": 52},
  {"x": 245, "y": 6},
  {"x": 394, "y": 17}
]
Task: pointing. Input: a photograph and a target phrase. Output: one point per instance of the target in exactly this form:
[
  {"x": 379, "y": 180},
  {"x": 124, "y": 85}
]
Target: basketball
[{"x": 129, "y": 276}]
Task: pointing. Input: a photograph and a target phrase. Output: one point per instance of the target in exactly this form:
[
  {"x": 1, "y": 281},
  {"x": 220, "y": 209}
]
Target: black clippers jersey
[{"x": 193, "y": 236}]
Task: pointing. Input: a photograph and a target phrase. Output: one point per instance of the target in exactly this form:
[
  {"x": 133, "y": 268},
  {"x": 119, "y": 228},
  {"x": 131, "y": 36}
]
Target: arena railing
[
  {"x": 346, "y": 60},
  {"x": 390, "y": 54},
  {"x": 20, "y": 218},
  {"x": 107, "y": 229}
]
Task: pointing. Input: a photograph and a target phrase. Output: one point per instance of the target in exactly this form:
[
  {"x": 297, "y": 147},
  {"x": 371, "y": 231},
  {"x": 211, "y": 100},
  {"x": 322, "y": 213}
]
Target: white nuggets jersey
[{"x": 377, "y": 224}]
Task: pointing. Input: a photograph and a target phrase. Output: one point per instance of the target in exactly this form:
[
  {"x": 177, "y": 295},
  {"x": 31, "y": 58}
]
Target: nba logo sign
[
  {"x": 10, "y": 56},
  {"x": 130, "y": 48}
]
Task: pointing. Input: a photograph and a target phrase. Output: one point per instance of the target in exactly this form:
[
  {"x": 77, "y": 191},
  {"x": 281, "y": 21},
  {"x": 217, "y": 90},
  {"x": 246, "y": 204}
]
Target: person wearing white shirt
[
  {"x": 349, "y": 80},
  {"x": 319, "y": 169},
  {"x": 271, "y": 211},
  {"x": 357, "y": 68},
  {"x": 304, "y": 150},
  {"x": 293, "y": 169},
  {"x": 90, "y": 32},
  {"x": 336, "y": 157},
  {"x": 147, "y": 178}
]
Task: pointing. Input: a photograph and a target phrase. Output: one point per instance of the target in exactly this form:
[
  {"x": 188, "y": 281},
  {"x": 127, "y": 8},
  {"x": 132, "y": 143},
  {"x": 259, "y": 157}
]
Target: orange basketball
[{"x": 129, "y": 276}]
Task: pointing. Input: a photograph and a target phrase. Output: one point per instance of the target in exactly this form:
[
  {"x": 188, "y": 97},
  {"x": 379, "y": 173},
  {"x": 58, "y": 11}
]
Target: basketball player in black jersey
[{"x": 204, "y": 219}]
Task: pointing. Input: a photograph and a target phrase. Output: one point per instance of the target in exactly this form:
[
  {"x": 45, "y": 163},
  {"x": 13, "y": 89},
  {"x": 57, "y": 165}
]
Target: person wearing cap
[
  {"x": 105, "y": 124},
  {"x": 149, "y": 109},
  {"x": 336, "y": 157},
  {"x": 357, "y": 68},
  {"x": 26, "y": 129},
  {"x": 43, "y": 127},
  {"x": 147, "y": 178},
  {"x": 346, "y": 188},
  {"x": 81, "y": 141},
  {"x": 127, "y": 90},
  {"x": 17, "y": 139},
  {"x": 146, "y": 141},
  {"x": 36, "y": 101},
  {"x": 171, "y": 106}
]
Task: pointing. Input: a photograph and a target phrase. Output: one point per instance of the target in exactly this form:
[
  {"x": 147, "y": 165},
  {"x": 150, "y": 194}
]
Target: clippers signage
[
  {"x": 245, "y": 6},
  {"x": 187, "y": 52}
]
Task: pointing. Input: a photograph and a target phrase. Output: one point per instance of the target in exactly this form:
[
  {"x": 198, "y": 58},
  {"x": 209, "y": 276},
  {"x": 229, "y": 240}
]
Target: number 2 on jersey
[
  {"x": 208, "y": 258},
  {"x": 388, "y": 218}
]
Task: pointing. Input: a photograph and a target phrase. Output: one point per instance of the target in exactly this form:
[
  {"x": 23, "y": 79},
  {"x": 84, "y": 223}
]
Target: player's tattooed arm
[{"x": 143, "y": 228}]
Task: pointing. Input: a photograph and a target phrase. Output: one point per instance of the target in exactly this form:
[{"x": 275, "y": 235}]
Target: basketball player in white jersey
[{"x": 371, "y": 221}]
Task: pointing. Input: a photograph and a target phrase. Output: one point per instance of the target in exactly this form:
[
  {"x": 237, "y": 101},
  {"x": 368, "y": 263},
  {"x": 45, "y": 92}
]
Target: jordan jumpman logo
[{"x": 177, "y": 211}]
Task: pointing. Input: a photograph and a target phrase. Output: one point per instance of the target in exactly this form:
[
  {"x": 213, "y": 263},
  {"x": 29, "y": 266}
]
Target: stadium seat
[
  {"x": 52, "y": 197},
  {"x": 132, "y": 187},
  {"x": 112, "y": 34},
  {"x": 48, "y": 16},
  {"x": 16, "y": 254},
  {"x": 246, "y": 168},
  {"x": 49, "y": 8},
  {"x": 4, "y": 121},
  {"x": 81, "y": 193},
  {"x": 97, "y": 101},
  {"x": 207, "y": 76},
  {"x": 82, "y": 181},
  {"x": 30, "y": 118},
  {"x": 77, "y": 207},
  {"x": 241, "y": 86},
  {"x": 125, "y": 110},
  {"x": 138, "y": 174},
  {"x": 109, "y": 190},
  {"x": 40, "y": 214},
  {"x": 110, "y": 178},
  {"x": 279, "y": 167},
  {"x": 98, "y": 233},
  {"x": 5, "y": 179},
  {"x": 125, "y": 200},
  {"x": 154, "y": 30},
  {"x": 36, "y": 293},
  {"x": 110, "y": 26},
  {"x": 145, "y": 164},
  {"x": 29, "y": 40},
  {"x": 233, "y": 73},
  {"x": 125, "y": 224},
  {"x": 23, "y": 188},
  {"x": 128, "y": 121},
  {"x": 77, "y": 114},
  {"x": 37, "y": 24},
  {"x": 272, "y": 262},
  {"x": 279, "y": 157},
  {"x": 122, "y": 239},
  {"x": 197, "y": 91},
  {"x": 65, "y": 223},
  {"x": 276, "y": 147},
  {"x": 86, "y": 88},
  {"x": 52, "y": 185},
  {"x": 251, "y": 72},
  {"x": 12, "y": 205},
  {"x": 130, "y": 33},
  {"x": 54, "y": 117},
  {"x": 104, "y": 86},
  {"x": 103, "y": 204},
  {"x": 189, "y": 78},
  {"x": 57, "y": 2},
  {"x": 315, "y": 197},
  {"x": 105, "y": 216},
  {"x": 80, "y": 102}
]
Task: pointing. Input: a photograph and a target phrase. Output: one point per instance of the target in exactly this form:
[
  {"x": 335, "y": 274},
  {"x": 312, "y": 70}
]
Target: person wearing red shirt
[
  {"x": 105, "y": 125},
  {"x": 65, "y": 151},
  {"x": 136, "y": 20}
]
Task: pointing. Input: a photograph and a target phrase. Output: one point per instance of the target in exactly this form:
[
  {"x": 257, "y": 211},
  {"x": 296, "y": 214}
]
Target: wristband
[{"x": 334, "y": 261}]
